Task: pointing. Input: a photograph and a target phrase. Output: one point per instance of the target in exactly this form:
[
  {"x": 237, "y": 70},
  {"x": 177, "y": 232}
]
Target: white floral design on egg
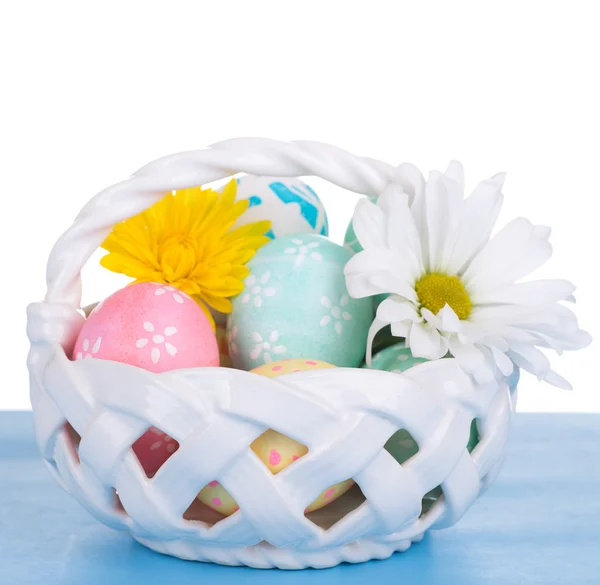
[
  {"x": 157, "y": 340},
  {"x": 265, "y": 348},
  {"x": 256, "y": 288},
  {"x": 303, "y": 251},
  {"x": 86, "y": 353},
  {"x": 337, "y": 315},
  {"x": 178, "y": 296}
]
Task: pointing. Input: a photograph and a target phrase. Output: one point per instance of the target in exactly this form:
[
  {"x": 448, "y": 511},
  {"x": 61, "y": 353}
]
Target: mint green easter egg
[
  {"x": 296, "y": 305},
  {"x": 351, "y": 242},
  {"x": 396, "y": 358}
]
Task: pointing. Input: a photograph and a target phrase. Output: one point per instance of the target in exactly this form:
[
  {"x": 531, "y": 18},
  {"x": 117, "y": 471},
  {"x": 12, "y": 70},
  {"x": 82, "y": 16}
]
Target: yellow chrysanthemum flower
[{"x": 186, "y": 240}]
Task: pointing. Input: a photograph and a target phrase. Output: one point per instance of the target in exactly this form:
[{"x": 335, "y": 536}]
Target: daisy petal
[
  {"x": 401, "y": 329},
  {"x": 479, "y": 214},
  {"x": 402, "y": 234},
  {"x": 469, "y": 357},
  {"x": 449, "y": 319},
  {"x": 395, "y": 309},
  {"x": 373, "y": 272},
  {"x": 375, "y": 328},
  {"x": 530, "y": 359},
  {"x": 515, "y": 251},
  {"x": 557, "y": 380},
  {"x": 536, "y": 292},
  {"x": 503, "y": 362},
  {"x": 369, "y": 225},
  {"x": 456, "y": 172},
  {"x": 426, "y": 342}
]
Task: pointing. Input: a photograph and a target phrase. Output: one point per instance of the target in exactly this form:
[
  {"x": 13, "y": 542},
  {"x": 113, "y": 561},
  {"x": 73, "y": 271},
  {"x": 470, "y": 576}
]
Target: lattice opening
[
  {"x": 430, "y": 499},
  {"x": 153, "y": 449},
  {"x": 203, "y": 510},
  {"x": 73, "y": 438},
  {"x": 215, "y": 497},
  {"x": 475, "y": 436},
  {"x": 117, "y": 502},
  {"x": 330, "y": 514},
  {"x": 277, "y": 451},
  {"x": 402, "y": 446}
]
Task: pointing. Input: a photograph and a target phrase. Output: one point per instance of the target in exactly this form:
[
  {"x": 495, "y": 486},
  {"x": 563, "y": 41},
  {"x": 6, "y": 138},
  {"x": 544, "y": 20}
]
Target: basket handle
[{"x": 256, "y": 156}]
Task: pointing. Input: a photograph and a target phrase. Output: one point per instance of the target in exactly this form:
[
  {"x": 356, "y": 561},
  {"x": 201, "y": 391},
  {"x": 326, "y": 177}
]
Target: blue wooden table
[{"x": 540, "y": 523}]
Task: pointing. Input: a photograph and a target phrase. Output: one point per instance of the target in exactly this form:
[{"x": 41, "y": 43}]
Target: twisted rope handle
[{"x": 257, "y": 156}]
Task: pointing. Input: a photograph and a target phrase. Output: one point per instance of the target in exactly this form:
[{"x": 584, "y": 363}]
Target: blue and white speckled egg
[
  {"x": 296, "y": 305},
  {"x": 289, "y": 203}
]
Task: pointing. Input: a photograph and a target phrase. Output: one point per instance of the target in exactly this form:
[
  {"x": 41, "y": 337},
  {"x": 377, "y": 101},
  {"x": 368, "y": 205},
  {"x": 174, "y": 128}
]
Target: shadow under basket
[{"x": 89, "y": 413}]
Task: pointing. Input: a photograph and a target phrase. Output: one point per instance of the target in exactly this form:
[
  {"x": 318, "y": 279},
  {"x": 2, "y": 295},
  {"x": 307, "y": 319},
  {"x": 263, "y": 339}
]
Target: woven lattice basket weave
[{"x": 344, "y": 416}]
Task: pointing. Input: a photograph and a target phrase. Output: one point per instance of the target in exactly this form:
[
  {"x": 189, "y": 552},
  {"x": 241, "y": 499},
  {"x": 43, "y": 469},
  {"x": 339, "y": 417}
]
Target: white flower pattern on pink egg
[
  {"x": 163, "y": 439},
  {"x": 178, "y": 296},
  {"x": 157, "y": 340},
  {"x": 87, "y": 353}
]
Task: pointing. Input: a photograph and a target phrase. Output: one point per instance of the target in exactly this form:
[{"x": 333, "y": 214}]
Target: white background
[{"x": 91, "y": 93}]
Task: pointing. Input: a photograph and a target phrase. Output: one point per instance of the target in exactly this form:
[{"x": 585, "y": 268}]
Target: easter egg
[
  {"x": 295, "y": 303},
  {"x": 395, "y": 358},
  {"x": 155, "y": 327},
  {"x": 275, "y": 450},
  {"x": 351, "y": 242},
  {"x": 289, "y": 203}
]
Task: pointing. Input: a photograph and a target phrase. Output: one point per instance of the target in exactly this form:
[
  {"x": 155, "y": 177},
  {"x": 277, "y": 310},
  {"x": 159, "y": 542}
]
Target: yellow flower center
[
  {"x": 178, "y": 256},
  {"x": 436, "y": 290}
]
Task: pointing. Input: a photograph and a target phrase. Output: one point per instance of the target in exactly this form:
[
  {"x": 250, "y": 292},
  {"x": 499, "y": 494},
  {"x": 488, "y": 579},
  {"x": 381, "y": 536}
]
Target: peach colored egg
[
  {"x": 155, "y": 327},
  {"x": 274, "y": 449}
]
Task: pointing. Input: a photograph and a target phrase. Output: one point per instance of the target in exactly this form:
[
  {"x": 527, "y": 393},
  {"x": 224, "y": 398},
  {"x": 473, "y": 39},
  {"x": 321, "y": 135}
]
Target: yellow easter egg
[
  {"x": 215, "y": 496},
  {"x": 275, "y": 450},
  {"x": 289, "y": 366}
]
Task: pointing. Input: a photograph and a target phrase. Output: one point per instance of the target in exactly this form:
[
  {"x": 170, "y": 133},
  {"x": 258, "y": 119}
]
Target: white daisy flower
[{"x": 453, "y": 288}]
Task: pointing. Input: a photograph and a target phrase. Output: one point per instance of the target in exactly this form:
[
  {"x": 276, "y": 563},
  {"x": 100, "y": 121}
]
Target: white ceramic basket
[{"x": 344, "y": 416}]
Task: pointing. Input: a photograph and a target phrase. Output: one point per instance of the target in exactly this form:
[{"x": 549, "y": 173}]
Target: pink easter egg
[{"x": 152, "y": 326}]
